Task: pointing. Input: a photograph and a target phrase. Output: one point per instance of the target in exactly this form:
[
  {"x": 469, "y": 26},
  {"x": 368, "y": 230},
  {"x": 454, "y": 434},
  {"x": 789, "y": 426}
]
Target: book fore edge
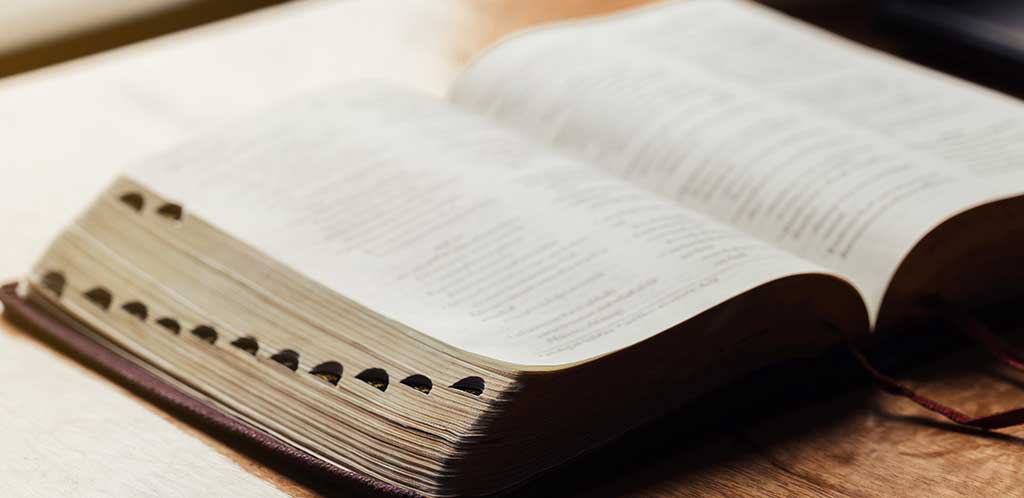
[{"x": 54, "y": 281}]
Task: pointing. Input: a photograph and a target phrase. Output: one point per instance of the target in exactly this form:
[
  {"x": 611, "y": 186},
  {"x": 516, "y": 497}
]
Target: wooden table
[
  {"x": 861, "y": 443},
  {"x": 39, "y": 33}
]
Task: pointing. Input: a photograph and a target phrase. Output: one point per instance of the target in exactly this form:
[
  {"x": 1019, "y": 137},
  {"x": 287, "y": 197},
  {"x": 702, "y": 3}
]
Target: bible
[{"x": 603, "y": 220}]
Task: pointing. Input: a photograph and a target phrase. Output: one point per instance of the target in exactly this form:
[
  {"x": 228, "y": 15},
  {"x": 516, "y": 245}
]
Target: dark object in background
[{"x": 981, "y": 39}]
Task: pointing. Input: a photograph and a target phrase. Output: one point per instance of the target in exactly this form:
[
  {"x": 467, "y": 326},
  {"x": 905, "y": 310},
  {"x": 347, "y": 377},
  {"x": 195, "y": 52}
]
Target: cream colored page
[
  {"x": 803, "y": 180},
  {"x": 67, "y": 433},
  {"x": 461, "y": 229},
  {"x": 83, "y": 121},
  {"x": 923, "y": 110}
]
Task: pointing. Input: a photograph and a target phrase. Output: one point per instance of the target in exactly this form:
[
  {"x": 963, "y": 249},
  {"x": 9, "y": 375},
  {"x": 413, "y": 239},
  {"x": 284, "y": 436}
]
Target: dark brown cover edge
[{"x": 291, "y": 461}]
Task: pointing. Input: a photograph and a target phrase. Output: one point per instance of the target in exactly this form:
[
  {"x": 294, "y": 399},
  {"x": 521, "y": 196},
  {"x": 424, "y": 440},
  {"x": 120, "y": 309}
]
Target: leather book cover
[{"x": 243, "y": 437}]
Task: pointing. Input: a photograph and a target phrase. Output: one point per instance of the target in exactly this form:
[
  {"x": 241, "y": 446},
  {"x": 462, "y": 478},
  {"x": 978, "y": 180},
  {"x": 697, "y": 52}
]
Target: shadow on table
[
  {"x": 745, "y": 438},
  {"x": 128, "y": 31}
]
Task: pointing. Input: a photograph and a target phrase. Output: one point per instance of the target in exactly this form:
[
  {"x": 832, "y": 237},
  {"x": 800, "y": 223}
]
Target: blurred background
[{"x": 979, "y": 39}]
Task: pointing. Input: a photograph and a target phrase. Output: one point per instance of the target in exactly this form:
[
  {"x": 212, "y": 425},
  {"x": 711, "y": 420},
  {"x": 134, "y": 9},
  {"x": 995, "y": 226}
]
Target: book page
[
  {"x": 645, "y": 96},
  {"x": 459, "y": 228},
  {"x": 924, "y": 110}
]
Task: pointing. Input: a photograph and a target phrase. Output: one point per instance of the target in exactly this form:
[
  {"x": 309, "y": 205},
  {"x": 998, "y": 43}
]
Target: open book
[{"x": 604, "y": 219}]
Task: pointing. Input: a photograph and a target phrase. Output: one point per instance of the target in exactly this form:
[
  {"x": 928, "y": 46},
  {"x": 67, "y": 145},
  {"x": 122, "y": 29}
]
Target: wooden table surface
[{"x": 861, "y": 443}]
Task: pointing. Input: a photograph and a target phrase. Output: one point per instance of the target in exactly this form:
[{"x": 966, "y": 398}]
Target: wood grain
[{"x": 861, "y": 443}]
